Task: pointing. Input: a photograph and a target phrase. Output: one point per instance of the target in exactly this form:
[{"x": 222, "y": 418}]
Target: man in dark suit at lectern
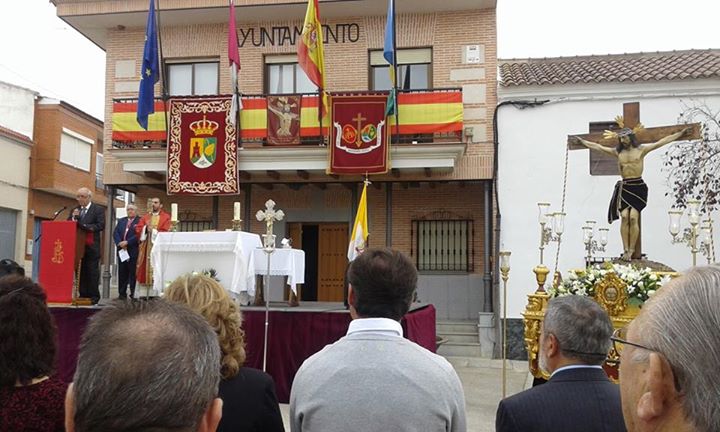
[
  {"x": 574, "y": 341},
  {"x": 91, "y": 219}
]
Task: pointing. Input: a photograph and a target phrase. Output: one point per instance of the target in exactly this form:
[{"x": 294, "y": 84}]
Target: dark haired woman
[{"x": 30, "y": 398}]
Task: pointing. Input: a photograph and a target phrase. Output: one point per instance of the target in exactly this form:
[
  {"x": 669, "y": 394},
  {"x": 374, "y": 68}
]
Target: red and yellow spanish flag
[{"x": 310, "y": 49}]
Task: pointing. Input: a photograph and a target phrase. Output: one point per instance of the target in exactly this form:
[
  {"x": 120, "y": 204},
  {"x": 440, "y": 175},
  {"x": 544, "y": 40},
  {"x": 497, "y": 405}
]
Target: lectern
[{"x": 61, "y": 249}]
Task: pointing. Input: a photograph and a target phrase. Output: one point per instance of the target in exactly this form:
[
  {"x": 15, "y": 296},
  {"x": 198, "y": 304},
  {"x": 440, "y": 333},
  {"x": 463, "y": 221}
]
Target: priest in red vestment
[{"x": 156, "y": 220}]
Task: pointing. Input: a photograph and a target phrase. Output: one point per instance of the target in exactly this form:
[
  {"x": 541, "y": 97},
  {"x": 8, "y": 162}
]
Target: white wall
[
  {"x": 14, "y": 182},
  {"x": 17, "y": 108},
  {"x": 531, "y": 165}
]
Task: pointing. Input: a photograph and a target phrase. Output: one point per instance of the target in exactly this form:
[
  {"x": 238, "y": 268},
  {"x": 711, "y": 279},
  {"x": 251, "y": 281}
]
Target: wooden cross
[
  {"x": 359, "y": 119},
  {"x": 631, "y": 117}
]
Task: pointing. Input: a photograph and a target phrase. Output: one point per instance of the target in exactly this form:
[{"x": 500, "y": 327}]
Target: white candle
[
  {"x": 236, "y": 212},
  {"x": 173, "y": 212}
]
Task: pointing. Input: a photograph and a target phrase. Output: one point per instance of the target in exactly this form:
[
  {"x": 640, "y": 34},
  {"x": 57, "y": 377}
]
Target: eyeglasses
[{"x": 619, "y": 337}]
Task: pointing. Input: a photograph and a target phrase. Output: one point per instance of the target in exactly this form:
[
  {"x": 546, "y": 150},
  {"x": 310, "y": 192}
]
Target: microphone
[{"x": 58, "y": 212}]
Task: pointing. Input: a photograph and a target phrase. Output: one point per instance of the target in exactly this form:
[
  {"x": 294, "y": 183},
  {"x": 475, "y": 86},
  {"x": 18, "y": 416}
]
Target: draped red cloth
[{"x": 292, "y": 337}]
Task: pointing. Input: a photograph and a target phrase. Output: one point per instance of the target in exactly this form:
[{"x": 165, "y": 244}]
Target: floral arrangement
[{"x": 641, "y": 283}]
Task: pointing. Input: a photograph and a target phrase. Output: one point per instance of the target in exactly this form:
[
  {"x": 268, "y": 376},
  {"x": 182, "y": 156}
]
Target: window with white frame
[
  {"x": 99, "y": 170},
  {"x": 414, "y": 69},
  {"x": 284, "y": 75},
  {"x": 197, "y": 78},
  {"x": 75, "y": 150}
]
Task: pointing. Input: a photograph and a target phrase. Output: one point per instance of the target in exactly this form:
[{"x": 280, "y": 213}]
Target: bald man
[{"x": 91, "y": 219}]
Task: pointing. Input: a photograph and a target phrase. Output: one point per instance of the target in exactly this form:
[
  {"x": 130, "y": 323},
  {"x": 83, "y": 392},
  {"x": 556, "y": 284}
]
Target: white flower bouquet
[{"x": 641, "y": 283}]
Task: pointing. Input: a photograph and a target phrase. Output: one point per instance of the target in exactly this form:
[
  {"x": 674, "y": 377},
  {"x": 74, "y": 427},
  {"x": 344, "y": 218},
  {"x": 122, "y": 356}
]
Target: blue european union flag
[{"x": 150, "y": 71}]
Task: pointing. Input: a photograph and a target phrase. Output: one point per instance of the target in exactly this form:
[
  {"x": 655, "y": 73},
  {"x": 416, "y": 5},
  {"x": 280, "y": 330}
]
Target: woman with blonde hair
[{"x": 249, "y": 399}]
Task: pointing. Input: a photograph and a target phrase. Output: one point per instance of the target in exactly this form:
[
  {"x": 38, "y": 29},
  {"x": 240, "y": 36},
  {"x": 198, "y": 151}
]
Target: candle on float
[
  {"x": 174, "y": 212},
  {"x": 236, "y": 212}
]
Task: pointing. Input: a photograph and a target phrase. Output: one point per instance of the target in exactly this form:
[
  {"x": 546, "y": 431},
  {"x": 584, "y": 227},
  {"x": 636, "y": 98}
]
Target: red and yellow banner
[
  {"x": 359, "y": 140},
  {"x": 202, "y": 147},
  {"x": 125, "y": 127},
  {"x": 58, "y": 247},
  {"x": 420, "y": 113}
]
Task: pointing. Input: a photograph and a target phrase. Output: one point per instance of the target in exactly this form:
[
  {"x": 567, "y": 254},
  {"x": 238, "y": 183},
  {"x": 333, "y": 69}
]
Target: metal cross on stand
[{"x": 269, "y": 215}]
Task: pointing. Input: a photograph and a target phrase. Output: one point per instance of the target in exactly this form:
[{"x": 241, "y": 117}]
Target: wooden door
[
  {"x": 295, "y": 234},
  {"x": 332, "y": 260}
]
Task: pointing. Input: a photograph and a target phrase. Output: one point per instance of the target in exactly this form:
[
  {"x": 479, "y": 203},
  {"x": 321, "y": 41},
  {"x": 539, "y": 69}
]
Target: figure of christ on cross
[{"x": 630, "y": 194}]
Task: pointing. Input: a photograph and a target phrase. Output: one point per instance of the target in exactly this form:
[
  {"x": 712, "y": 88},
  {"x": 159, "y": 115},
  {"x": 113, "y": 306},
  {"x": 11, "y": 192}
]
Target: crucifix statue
[
  {"x": 630, "y": 144},
  {"x": 269, "y": 215}
]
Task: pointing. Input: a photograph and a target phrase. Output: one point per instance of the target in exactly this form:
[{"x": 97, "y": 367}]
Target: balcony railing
[{"x": 425, "y": 116}]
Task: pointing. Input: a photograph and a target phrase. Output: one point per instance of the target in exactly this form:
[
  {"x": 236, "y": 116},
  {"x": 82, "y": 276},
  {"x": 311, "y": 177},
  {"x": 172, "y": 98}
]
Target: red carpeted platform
[{"x": 294, "y": 334}]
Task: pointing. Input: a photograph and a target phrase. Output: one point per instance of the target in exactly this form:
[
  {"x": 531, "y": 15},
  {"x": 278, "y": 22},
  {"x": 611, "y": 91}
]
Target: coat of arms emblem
[{"x": 203, "y": 146}]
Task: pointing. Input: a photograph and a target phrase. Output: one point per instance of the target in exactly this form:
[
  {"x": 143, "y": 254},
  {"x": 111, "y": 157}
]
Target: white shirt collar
[
  {"x": 385, "y": 326},
  {"x": 576, "y": 366},
  {"x": 87, "y": 207}
]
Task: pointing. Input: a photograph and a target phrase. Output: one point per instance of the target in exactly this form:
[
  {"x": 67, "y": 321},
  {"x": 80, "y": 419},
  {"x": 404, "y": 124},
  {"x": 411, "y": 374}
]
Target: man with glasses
[
  {"x": 127, "y": 250},
  {"x": 91, "y": 219},
  {"x": 574, "y": 342},
  {"x": 669, "y": 357}
]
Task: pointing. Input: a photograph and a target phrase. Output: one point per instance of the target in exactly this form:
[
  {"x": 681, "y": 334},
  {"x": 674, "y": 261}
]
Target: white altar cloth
[
  {"x": 230, "y": 253},
  {"x": 283, "y": 262}
]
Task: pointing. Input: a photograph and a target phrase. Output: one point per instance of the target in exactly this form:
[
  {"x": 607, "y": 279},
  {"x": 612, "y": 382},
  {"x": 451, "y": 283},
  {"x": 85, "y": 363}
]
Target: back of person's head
[
  {"x": 682, "y": 323},
  {"x": 10, "y": 267},
  {"x": 144, "y": 366},
  {"x": 206, "y": 296},
  {"x": 27, "y": 332},
  {"x": 581, "y": 327},
  {"x": 383, "y": 283}
]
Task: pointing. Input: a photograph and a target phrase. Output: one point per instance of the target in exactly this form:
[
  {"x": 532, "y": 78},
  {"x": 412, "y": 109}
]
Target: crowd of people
[{"x": 177, "y": 364}]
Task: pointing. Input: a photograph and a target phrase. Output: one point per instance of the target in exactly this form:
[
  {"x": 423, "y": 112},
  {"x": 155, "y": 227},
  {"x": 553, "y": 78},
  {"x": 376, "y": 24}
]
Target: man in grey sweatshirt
[{"x": 373, "y": 379}]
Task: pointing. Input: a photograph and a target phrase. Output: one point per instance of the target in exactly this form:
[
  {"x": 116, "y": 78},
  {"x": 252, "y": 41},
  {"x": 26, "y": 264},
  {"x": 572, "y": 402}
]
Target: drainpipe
[{"x": 520, "y": 104}]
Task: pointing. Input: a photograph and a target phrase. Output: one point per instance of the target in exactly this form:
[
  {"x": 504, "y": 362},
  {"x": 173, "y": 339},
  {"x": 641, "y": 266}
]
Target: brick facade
[
  {"x": 416, "y": 193},
  {"x": 53, "y": 184}
]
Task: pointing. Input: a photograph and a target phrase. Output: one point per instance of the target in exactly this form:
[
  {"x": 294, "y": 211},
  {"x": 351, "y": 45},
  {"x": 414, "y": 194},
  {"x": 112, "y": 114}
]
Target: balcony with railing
[{"x": 430, "y": 128}]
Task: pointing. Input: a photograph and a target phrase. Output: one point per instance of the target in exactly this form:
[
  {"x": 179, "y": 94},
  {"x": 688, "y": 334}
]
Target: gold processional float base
[{"x": 610, "y": 292}]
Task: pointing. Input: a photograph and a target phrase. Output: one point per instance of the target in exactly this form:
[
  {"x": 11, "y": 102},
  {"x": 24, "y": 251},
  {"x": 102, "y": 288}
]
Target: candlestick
[
  {"x": 236, "y": 211},
  {"x": 174, "y": 212}
]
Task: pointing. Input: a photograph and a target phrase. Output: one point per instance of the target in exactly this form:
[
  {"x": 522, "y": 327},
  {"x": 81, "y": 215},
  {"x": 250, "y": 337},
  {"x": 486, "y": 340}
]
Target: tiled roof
[
  {"x": 9, "y": 133},
  {"x": 639, "y": 67}
]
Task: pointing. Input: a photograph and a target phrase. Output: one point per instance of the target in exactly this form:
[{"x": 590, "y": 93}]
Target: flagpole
[
  {"x": 395, "y": 67},
  {"x": 320, "y": 116},
  {"x": 236, "y": 68},
  {"x": 161, "y": 66}
]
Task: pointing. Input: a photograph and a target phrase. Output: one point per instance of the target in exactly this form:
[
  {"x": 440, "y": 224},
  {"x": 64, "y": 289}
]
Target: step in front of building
[
  {"x": 466, "y": 326},
  {"x": 460, "y": 338}
]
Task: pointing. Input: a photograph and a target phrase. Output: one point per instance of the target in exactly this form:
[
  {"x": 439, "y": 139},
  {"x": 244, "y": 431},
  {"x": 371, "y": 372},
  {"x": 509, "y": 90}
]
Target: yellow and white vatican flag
[{"x": 358, "y": 238}]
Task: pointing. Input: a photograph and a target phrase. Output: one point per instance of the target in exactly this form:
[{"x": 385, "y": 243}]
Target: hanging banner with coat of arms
[
  {"x": 202, "y": 147},
  {"x": 283, "y": 120},
  {"x": 359, "y": 139}
]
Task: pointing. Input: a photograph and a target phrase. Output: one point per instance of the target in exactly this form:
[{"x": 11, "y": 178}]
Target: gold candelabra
[{"x": 505, "y": 272}]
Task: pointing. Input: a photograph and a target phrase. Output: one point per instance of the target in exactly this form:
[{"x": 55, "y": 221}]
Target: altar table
[
  {"x": 283, "y": 262},
  {"x": 230, "y": 253}
]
